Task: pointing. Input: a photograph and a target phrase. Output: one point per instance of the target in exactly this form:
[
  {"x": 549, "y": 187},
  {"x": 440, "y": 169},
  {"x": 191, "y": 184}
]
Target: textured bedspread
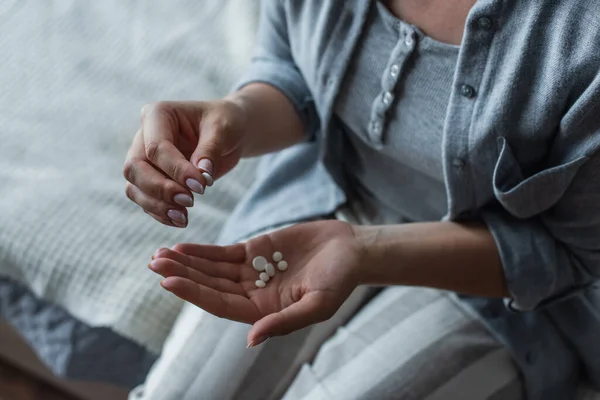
[{"x": 73, "y": 77}]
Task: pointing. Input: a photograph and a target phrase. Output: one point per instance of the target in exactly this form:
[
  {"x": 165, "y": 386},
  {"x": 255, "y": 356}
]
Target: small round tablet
[
  {"x": 277, "y": 256},
  {"x": 282, "y": 265},
  {"x": 260, "y": 284},
  {"x": 259, "y": 263},
  {"x": 264, "y": 277},
  {"x": 270, "y": 269}
]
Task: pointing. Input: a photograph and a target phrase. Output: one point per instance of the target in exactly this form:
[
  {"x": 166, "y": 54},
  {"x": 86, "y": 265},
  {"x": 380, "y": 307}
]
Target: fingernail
[
  {"x": 176, "y": 216},
  {"x": 257, "y": 341},
  {"x": 195, "y": 186},
  {"x": 206, "y": 165},
  {"x": 151, "y": 266},
  {"x": 153, "y": 256},
  {"x": 209, "y": 179},
  {"x": 183, "y": 200},
  {"x": 166, "y": 284}
]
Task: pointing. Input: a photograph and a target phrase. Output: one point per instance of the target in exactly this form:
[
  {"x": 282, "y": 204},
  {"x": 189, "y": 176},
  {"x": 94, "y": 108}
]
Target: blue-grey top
[
  {"x": 524, "y": 117},
  {"x": 399, "y": 81}
]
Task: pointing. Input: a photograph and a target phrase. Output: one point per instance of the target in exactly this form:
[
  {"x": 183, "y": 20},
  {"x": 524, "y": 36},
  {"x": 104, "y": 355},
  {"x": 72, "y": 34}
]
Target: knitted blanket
[{"x": 73, "y": 78}]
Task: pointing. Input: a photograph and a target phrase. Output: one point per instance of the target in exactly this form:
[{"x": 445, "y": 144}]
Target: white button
[
  {"x": 409, "y": 40},
  {"x": 259, "y": 263},
  {"x": 394, "y": 71},
  {"x": 458, "y": 163},
  {"x": 387, "y": 98},
  {"x": 282, "y": 265},
  {"x": 277, "y": 256},
  {"x": 376, "y": 128}
]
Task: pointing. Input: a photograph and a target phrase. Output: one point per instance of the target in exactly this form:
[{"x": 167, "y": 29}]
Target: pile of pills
[{"x": 266, "y": 269}]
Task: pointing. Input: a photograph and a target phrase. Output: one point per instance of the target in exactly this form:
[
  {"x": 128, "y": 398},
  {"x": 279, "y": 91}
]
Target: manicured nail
[
  {"x": 209, "y": 179},
  {"x": 176, "y": 216},
  {"x": 206, "y": 165},
  {"x": 257, "y": 341},
  {"x": 183, "y": 200},
  {"x": 195, "y": 186}
]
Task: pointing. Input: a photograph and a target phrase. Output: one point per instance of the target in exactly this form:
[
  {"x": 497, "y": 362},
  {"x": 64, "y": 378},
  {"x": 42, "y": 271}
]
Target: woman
[{"x": 433, "y": 144}]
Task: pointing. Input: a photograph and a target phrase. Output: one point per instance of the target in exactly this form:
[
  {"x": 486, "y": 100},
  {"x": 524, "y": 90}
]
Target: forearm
[
  {"x": 271, "y": 122},
  {"x": 444, "y": 255}
]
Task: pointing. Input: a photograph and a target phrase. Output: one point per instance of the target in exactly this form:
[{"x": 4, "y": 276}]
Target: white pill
[
  {"x": 264, "y": 277},
  {"x": 259, "y": 263},
  {"x": 260, "y": 284},
  {"x": 277, "y": 256},
  {"x": 270, "y": 269},
  {"x": 282, "y": 265}
]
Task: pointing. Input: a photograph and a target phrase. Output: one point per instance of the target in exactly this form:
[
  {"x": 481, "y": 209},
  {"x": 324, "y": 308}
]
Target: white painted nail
[
  {"x": 195, "y": 186},
  {"x": 270, "y": 269},
  {"x": 264, "y": 277},
  {"x": 260, "y": 284},
  {"x": 206, "y": 165},
  {"x": 282, "y": 265},
  {"x": 176, "y": 216},
  {"x": 183, "y": 200},
  {"x": 259, "y": 263},
  {"x": 209, "y": 179}
]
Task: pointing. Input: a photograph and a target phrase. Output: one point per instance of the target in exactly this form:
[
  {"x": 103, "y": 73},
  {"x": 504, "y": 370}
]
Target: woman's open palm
[{"x": 323, "y": 259}]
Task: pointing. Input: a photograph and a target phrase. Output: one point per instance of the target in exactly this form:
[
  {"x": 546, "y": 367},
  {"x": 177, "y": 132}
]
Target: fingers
[
  {"x": 212, "y": 145},
  {"x": 311, "y": 309},
  {"x": 230, "y": 254},
  {"x": 176, "y": 215},
  {"x": 171, "y": 268},
  {"x": 166, "y": 193},
  {"x": 211, "y": 268},
  {"x": 161, "y": 129},
  {"x": 224, "y": 305}
]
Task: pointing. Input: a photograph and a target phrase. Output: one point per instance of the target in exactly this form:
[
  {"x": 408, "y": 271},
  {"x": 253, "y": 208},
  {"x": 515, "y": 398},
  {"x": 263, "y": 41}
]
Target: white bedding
[{"x": 73, "y": 78}]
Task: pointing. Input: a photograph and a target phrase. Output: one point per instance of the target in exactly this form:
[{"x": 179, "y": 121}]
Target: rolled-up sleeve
[
  {"x": 273, "y": 64},
  {"x": 547, "y": 226}
]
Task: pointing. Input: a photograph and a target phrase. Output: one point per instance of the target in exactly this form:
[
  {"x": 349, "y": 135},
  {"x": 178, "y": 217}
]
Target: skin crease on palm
[
  {"x": 327, "y": 259},
  {"x": 324, "y": 259}
]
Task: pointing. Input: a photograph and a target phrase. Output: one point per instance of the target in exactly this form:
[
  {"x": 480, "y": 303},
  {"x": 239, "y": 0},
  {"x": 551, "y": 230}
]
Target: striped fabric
[
  {"x": 410, "y": 343},
  {"x": 405, "y": 343}
]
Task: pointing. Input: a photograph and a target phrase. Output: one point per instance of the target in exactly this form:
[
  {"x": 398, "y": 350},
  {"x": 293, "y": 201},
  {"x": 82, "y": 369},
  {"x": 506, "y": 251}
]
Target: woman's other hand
[
  {"x": 323, "y": 266},
  {"x": 182, "y": 147}
]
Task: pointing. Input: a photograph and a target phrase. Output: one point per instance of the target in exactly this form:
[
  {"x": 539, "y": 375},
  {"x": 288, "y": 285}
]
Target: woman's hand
[
  {"x": 323, "y": 258},
  {"x": 182, "y": 147}
]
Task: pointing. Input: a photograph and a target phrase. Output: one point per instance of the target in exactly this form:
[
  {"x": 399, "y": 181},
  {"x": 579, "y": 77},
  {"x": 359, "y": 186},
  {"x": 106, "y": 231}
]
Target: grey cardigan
[{"x": 524, "y": 117}]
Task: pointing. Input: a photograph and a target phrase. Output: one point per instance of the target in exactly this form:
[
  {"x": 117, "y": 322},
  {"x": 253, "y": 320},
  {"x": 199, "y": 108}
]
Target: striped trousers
[{"x": 394, "y": 343}]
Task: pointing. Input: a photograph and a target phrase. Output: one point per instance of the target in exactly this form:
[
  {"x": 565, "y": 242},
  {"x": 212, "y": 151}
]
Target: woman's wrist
[
  {"x": 271, "y": 122},
  {"x": 370, "y": 252},
  {"x": 444, "y": 255}
]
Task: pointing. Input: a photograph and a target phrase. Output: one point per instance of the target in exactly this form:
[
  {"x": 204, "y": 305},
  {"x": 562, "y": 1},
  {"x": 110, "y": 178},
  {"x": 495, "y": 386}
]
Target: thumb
[
  {"x": 210, "y": 148},
  {"x": 312, "y": 308}
]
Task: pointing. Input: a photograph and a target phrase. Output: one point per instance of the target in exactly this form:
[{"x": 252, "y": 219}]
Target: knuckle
[
  {"x": 168, "y": 190},
  {"x": 129, "y": 192},
  {"x": 155, "y": 108},
  {"x": 129, "y": 170},
  {"x": 152, "y": 149},
  {"x": 177, "y": 170}
]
